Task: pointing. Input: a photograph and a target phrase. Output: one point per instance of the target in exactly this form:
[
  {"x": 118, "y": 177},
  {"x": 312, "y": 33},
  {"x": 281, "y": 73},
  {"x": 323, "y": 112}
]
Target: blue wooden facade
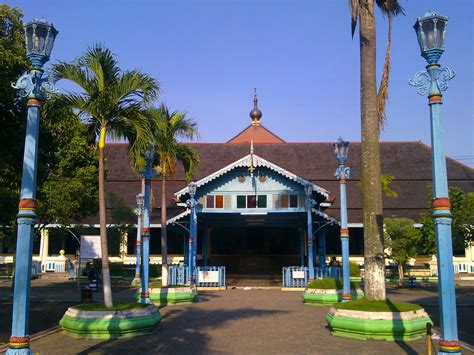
[{"x": 245, "y": 208}]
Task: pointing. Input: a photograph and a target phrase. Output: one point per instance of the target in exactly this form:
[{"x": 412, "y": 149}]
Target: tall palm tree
[
  {"x": 168, "y": 127},
  {"x": 372, "y": 105},
  {"x": 110, "y": 102}
]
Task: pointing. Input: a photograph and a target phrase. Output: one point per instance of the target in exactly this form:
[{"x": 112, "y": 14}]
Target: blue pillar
[
  {"x": 322, "y": 249},
  {"x": 205, "y": 240},
  {"x": 186, "y": 249},
  {"x": 136, "y": 280},
  {"x": 192, "y": 250},
  {"x": 442, "y": 223},
  {"x": 148, "y": 173},
  {"x": 310, "y": 245},
  {"x": 343, "y": 173},
  {"x": 433, "y": 81},
  {"x": 19, "y": 340},
  {"x": 195, "y": 234},
  {"x": 346, "y": 287},
  {"x": 301, "y": 248},
  {"x": 192, "y": 240},
  {"x": 309, "y": 219}
]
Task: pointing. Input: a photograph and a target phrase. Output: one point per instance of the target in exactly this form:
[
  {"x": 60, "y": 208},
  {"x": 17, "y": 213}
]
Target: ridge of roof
[
  {"x": 257, "y": 161},
  {"x": 255, "y": 141}
]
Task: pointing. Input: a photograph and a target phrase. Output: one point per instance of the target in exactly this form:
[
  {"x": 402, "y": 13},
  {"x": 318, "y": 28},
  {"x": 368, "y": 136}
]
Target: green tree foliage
[
  {"x": 401, "y": 239},
  {"x": 68, "y": 168},
  {"x": 13, "y": 63},
  {"x": 67, "y": 164},
  {"x": 385, "y": 180},
  {"x": 462, "y": 210}
]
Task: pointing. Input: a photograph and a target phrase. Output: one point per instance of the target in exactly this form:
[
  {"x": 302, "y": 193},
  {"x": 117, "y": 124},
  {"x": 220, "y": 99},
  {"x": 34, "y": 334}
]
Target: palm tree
[
  {"x": 167, "y": 128},
  {"x": 372, "y": 117},
  {"x": 110, "y": 102}
]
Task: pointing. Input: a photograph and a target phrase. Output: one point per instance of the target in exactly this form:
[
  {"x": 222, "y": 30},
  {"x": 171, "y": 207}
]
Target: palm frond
[
  {"x": 189, "y": 158},
  {"x": 390, "y": 7},
  {"x": 354, "y": 7}
]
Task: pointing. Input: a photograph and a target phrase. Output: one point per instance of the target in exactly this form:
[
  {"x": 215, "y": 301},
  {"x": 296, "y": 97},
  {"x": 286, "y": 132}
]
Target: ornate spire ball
[{"x": 255, "y": 114}]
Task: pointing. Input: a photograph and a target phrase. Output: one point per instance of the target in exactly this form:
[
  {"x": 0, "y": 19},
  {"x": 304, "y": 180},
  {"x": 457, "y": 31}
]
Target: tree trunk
[
  {"x": 103, "y": 227},
  {"x": 400, "y": 274},
  {"x": 374, "y": 275},
  {"x": 164, "y": 235}
]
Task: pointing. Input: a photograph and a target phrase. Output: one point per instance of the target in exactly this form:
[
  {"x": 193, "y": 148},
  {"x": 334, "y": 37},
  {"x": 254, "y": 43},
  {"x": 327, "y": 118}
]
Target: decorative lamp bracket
[
  {"x": 33, "y": 85},
  {"x": 343, "y": 172},
  {"x": 432, "y": 80}
]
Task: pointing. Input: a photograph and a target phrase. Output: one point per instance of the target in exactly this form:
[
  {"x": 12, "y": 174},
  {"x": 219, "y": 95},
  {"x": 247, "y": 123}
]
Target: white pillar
[
  {"x": 123, "y": 244},
  {"x": 44, "y": 244}
]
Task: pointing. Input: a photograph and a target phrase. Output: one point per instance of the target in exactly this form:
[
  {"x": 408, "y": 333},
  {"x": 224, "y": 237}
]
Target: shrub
[
  {"x": 330, "y": 284},
  {"x": 354, "y": 270},
  {"x": 155, "y": 270},
  {"x": 378, "y": 306}
]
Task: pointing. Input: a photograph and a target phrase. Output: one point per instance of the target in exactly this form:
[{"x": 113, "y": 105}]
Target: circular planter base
[
  {"x": 323, "y": 297},
  {"x": 110, "y": 324},
  {"x": 390, "y": 326},
  {"x": 166, "y": 296}
]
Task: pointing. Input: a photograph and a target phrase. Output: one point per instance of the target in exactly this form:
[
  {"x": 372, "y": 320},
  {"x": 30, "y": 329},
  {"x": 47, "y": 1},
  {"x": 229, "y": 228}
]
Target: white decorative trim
[
  {"x": 379, "y": 315},
  {"x": 325, "y": 216},
  {"x": 257, "y": 162},
  {"x": 129, "y": 313},
  {"x": 178, "y": 217}
]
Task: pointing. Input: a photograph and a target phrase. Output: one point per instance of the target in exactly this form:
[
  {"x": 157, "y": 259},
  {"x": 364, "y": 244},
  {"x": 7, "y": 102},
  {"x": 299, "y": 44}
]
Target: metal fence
[
  {"x": 298, "y": 276},
  {"x": 210, "y": 276},
  {"x": 206, "y": 276},
  {"x": 177, "y": 274}
]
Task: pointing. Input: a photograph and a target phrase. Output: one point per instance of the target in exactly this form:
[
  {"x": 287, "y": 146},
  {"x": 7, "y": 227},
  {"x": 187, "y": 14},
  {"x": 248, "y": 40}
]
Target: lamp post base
[{"x": 19, "y": 345}]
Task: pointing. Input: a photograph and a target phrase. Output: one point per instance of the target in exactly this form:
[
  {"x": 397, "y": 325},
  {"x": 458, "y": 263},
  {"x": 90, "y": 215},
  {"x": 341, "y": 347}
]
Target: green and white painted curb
[
  {"x": 110, "y": 324},
  {"x": 327, "y": 297},
  {"x": 392, "y": 326},
  {"x": 166, "y": 296}
]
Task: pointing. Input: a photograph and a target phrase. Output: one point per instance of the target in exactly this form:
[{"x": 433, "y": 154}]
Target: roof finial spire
[
  {"x": 255, "y": 114},
  {"x": 251, "y": 166}
]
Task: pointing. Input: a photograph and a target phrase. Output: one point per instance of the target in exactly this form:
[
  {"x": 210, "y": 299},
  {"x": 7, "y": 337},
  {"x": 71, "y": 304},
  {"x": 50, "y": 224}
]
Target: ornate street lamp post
[
  {"x": 192, "y": 187},
  {"x": 139, "y": 212},
  {"x": 40, "y": 36},
  {"x": 431, "y": 31},
  {"x": 308, "y": 189},
  {"x": 343, "y": 173},
  {"x": 147, "y": 174}
]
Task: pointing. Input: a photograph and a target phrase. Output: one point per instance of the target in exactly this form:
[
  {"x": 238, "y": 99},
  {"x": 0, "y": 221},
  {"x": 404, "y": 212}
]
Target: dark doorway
[{"x": 254, "y": 250}]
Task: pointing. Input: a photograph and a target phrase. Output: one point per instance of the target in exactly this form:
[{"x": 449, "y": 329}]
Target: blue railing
[
  {"x": 177, "y": 275},
  {"x": 210, "y": 276},
  {"x": 206, "y": 276},
  {"x": 298, "y": 276}
]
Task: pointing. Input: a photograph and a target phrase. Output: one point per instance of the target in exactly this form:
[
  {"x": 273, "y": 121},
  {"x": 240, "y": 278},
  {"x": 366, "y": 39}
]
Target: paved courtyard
[{"x": 234, "y": 321}]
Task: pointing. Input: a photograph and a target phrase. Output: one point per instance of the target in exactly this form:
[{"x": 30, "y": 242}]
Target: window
[
  {"x": 215, "y": 201},
  {"x": 252, "y": 201},
  {"x": 241, "y": 202},
  {"x": 289, "y": 201}
]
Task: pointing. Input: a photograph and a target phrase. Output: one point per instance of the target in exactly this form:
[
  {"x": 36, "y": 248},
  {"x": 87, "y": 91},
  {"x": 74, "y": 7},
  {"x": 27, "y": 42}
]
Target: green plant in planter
[
  {"x": 328, "y": 291},
  {"x": 330, "y": 284}
]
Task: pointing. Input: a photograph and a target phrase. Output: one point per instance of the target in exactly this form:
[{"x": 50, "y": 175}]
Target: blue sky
[{"x": 209, "y": 55}]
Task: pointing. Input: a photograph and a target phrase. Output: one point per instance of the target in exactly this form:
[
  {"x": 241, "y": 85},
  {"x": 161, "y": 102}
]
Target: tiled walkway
[{"x": 234, "y": 321}]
